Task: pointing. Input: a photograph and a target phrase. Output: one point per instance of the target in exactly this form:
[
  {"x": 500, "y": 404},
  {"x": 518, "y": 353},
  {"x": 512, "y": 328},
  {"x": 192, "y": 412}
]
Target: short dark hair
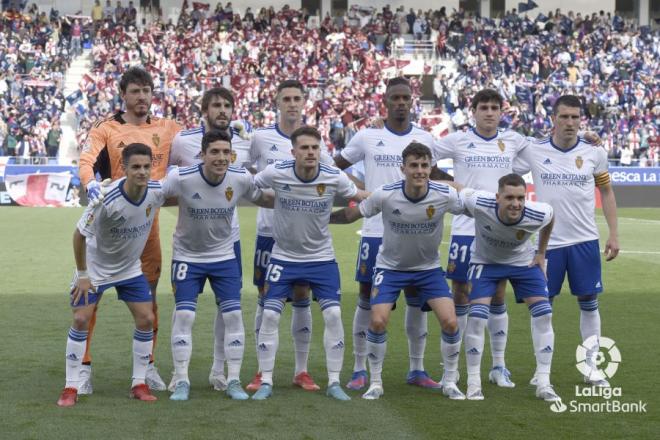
[
  {"x": 510, "y": 180},
  {"x": 135, "y": 149},
  {"x": 398, "y": 81},
  {"x": 486, "y": 95},
  {"x": 566, "y": 101},
  {"x": 415, "y": 149},
  {"x": 305, "y": 130},
  {"x": 291, "y": 84},
  {"x": 214, "y": 136},
  {"x": 211, "y": 94},
  {"x": 136, "y": 75}
]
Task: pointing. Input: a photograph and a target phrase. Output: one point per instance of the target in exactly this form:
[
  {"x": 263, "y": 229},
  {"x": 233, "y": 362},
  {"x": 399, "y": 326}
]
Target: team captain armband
[{"x": 602, "y": 179}]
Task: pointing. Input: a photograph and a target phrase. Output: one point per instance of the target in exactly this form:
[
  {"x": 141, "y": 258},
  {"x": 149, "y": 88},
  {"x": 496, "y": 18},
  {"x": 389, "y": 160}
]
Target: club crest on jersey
[
  {"x": 148, "y": 210},
  {"x": 229, "y": 193},
  {"x": 520, "y": 234},
  {"x": 579, "y": 162},
  {"x": 430, "y": 211},
  {"x": 501, "y": 145},
  {"x": 156, "y": 139},
  {"x": 233, "y": 156},
  {"x": 320, "y": 188},
  {"x": 90, "y": 219}
]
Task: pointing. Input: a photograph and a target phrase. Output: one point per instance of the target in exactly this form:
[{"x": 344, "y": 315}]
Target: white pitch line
[
  {"x": 641, "y": 252},
  {"x": 601, "y": 219}
]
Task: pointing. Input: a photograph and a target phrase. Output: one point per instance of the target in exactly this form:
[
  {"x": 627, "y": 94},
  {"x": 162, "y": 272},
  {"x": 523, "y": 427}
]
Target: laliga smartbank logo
[{"x": 598, "y": 359}]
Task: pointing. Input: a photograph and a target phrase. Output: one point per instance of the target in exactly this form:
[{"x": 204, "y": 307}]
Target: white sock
[
  {"x": 589, "y": 319},
  {"x": 416, "y": 329},
  {"x": 258, "y": 313},
  {"x": 474, "y": 341},
  {"x": 333, "y": 342},
  {"x": 218, "y": 367},
  {"x": 462, "y": 317},
  {"x": 450, "y": 347},
  {"x": 143, "y": 342},
  {"x": 269, "y": 339},
  {"x": 234, "y": 343},
  {"x": 498, "y": 327},
  {"x": 301, "y": 331},
  {"x": 377, "y": 346},
  {"x": 361, "y": 321},
  {"x": 543, "y": 338},
  {"x": 75, "y": 349},
  {"x": 181, "y": 341}
]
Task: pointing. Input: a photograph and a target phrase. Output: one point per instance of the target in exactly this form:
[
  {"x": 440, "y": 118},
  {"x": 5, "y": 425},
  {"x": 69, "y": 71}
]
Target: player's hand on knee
[
  {"x": 540, "y": 261},
  {"x": 81, "y": 288}
]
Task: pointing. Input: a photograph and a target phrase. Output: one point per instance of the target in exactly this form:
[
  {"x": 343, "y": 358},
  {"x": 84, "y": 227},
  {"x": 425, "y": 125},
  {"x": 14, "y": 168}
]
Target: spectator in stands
[{"x": 53, "y": 139}]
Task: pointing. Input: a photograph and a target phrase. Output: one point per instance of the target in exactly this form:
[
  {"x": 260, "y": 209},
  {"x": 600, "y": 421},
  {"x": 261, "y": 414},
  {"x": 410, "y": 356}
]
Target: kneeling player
[
  {"x": 413, "y": 210},
  {"x": 502, "y": 251},
  {"x": 107, "y": 245},
  {"x": 204, "y": 249}
]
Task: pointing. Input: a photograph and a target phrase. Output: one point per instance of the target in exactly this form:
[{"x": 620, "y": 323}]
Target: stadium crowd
[
  {"x": 531, "y": 61},
  {"x": 35, "y": 52}
]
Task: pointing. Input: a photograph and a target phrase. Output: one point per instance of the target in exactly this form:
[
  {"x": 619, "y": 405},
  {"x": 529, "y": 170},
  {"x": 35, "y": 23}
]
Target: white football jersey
[
  {"x": 496, "y": 242},
  {"x": 269, "y": 146},
  {"x": 187, "y": 150},
  {"x": 566, "y": 179},
  {"x": 302, "y": 210},
  {"x": 204, "y": 232},
  {"x": 116, "y": 231},
  {"x": 412, "y": 228},
  {"x": 380, "y": 149},
  {"x": 479, "y": 163}
]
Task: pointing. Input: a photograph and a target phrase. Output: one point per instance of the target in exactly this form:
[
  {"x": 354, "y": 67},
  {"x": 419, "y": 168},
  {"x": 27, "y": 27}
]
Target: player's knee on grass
[
  {"x": 585, "y": 298},
  {"x": 144, "y": 317},
  {"x": 270, "y": 320},
  {"x": 378, "y": 321},
  {"x": 449, "y": 324},
  {"x": 461, "y": 291},
  {"x": 365, "y": 291},
  {"x": 300, "y": 292}
]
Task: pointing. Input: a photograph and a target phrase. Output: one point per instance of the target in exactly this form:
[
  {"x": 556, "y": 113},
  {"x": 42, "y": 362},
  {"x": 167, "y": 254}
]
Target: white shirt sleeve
[
  {"x": 455, "y": 205},
  {"x": 442, "y": 148},
  {"x": 264, "y": 179},
  {"x": 175, "y": 150},
  {"x": 252, "y": 193},
  {"x": 171, "y": 186},
  {"x": 345, "y": 186},
  {"x": 254, "y": 151},
  {"x": 86, "y": 223},
  {"x": 354, "y": 151},
  {"x": 521, "y": 163},
  {"x": 468, "y": 198},
  {"x": 601, "y": 161},
  {"x": 372, "y": 205}
]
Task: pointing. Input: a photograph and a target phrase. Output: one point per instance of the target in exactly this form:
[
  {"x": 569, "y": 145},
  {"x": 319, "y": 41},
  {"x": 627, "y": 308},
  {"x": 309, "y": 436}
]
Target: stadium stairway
[{"x": 68, "y": 145}]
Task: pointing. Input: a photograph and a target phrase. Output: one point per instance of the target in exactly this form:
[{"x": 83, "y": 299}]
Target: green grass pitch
[{"x": 37, "y": 264}]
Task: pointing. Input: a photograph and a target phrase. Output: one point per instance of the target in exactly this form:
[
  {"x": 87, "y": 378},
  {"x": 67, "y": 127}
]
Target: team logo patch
[
  {"x": 374, "y": 292},
  {"x": 320, "y": 188},
  {"x": 156, "y": 139},
  {"x": 430, "y": 211},
  {"x": 148, "y": 210},
  {"x": 229, "y": 193},
  {"x": 363, "y": 269},
  {"x": 233, "y": 156},
  {"x": 501, "y": 145},
  {"x": 451, "y": 267},
  {"x": 579, "y": 162},
  {"x": 520, "y": 234},
  {"x": 90, "y": 219}
]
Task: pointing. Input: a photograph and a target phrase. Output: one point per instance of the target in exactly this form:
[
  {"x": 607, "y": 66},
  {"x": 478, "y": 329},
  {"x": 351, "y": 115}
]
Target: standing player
[
  {"x": 204, "y": 249},
  {"x": 413, "y": 210},
  {"x": 271, "y": 145},
  {"x": 107, "y": 245},
  {"x": 565, "y": 170},
  {"x": 217, "y": 110},
  {"x": 303, "y": 253},
  {"x": 102, "y": 153},
  {"x": 380, "y": 149},
  {"x": 481, "y": 156},
  {"x": 502, "y": 251}
]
